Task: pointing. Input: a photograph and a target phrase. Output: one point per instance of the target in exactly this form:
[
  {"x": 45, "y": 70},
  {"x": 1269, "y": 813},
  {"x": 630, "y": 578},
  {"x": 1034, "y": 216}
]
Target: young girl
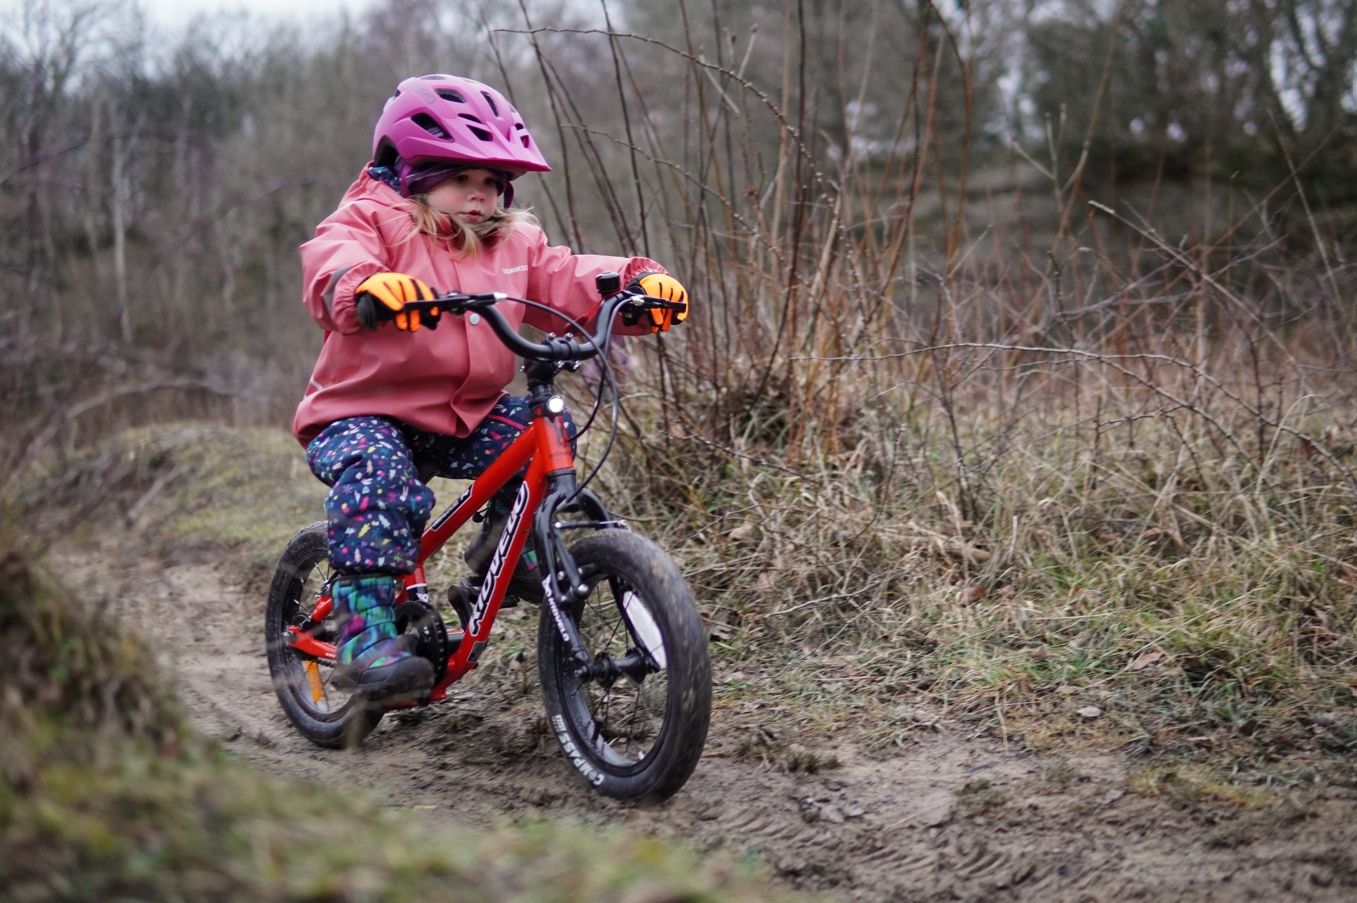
[{"x": 431, "y": 209}]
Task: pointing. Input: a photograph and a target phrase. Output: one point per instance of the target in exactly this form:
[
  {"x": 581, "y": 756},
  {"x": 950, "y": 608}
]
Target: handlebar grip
[
  {"x": 636, "y": 305},
  {"x": 371, "y": 311}
]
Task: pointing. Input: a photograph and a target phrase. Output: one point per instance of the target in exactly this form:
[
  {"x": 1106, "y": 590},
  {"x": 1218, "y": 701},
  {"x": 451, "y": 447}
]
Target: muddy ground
[{"x": 949, "y": 818}]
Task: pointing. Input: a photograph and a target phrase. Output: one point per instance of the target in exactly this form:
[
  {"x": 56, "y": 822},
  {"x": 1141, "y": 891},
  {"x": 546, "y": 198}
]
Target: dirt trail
[{"x": 920, "y": 825}]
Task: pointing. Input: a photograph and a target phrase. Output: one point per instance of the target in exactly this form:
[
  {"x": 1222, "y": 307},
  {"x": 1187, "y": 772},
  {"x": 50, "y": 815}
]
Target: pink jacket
[{"x": 443, "y": 381}]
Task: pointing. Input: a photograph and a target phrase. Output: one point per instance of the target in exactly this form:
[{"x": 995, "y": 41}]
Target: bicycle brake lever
[
  {"x": 432, "y": 311},
  {"x": 638, "y": 304},
  {"x": 631, "y": 311}
]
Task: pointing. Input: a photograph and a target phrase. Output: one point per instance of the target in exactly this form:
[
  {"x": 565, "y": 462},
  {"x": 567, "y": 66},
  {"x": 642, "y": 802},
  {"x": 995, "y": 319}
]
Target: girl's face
[{"x": 471, "y": 194}]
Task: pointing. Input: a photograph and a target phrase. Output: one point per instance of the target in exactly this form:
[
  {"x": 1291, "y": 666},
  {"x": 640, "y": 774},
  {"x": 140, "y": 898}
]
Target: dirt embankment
[{"x": 948, "y": 818}]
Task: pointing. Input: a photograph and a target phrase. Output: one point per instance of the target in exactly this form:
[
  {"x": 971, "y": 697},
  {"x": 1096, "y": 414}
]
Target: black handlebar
[
  {"x": 559, "y": 350},
  {"x": 555, "y": 349}
]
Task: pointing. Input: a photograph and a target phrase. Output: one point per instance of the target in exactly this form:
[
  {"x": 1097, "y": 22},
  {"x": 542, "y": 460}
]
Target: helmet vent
[
  {"x": 524, "y": 139},
  {"x": 469, "y": 117},
  {"x": 449, "y": 94},
  {"x": 480, "y": 133},
  {"x": 490, "y": 100},
  {"x": 430, "y": 125}
]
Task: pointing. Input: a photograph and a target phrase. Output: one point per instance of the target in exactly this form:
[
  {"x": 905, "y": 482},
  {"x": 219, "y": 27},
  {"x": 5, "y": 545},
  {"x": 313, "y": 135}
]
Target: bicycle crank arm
[{"x": 304, "y": 642}]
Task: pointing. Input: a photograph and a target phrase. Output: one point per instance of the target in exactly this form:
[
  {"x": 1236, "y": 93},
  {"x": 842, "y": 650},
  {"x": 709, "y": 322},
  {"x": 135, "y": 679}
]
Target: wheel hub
[{"x": 605, "y": 670}]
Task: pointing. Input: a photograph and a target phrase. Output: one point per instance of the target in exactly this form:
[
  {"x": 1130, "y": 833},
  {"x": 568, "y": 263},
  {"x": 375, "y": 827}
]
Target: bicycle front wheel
[{"x": 635, "y": 723}]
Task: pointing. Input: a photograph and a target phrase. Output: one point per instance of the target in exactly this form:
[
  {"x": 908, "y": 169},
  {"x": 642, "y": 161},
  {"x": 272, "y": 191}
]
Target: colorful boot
[{"x": 371, "y": 658}]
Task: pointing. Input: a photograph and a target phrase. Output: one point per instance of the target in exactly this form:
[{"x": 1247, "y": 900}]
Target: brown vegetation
[{"x": 970, "y": 402}]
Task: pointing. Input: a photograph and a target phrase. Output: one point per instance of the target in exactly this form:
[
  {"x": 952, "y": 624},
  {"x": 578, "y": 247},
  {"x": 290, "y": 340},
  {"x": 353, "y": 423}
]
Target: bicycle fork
[
  {"x": 561, "y": 580},
  {"x": 563, "y": 585}
]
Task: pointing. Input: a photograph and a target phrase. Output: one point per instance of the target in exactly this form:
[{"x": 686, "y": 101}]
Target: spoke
[
  {"x": 635, "y": 712},
  {"x": 610, "y": 609},
  {"x": 623, "y": 716},
  {"x": 617, "y": 618},
  {"x": 325, "y": 691},
  {"x": 607, "y": 701}
]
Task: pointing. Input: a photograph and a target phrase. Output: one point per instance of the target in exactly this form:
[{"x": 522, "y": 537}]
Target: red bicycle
[{"x": 621, "y": 651}]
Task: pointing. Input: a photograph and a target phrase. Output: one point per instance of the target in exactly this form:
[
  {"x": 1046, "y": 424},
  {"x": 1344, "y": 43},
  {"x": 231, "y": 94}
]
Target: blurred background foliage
[{"x": 154, "y": 187}]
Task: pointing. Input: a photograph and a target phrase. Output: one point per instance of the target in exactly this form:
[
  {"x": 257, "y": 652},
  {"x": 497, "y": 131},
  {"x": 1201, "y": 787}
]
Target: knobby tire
[
  {"x": 337, "y": 719},
  {"x": 633, "y": 740}
]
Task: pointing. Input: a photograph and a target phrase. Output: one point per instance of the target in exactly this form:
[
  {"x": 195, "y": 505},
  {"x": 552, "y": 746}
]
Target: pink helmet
[{"x": 444, "y": 118}]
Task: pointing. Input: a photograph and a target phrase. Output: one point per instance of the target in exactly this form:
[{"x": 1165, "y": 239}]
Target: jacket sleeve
[
  {"x": 565, "y": 281},
  {"x": 347, "y": 249}
]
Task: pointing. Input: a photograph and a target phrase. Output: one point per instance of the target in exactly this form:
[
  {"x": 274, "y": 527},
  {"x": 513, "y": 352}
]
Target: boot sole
[{"x": 405, "y": 680}]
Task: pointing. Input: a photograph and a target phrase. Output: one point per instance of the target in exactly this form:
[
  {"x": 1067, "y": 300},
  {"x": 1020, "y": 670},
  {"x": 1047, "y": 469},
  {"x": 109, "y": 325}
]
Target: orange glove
[
  {"x": 666, "y": 288},
  {"x": 382, "y": 297}
]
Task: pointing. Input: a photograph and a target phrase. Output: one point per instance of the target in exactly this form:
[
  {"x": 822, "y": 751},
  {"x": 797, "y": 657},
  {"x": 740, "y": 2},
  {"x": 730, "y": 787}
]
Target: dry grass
[
  {"x": 1141, "y": 585},
  {"x": 1065, "y": 546},
  {"x": 1003, "y": 459}
]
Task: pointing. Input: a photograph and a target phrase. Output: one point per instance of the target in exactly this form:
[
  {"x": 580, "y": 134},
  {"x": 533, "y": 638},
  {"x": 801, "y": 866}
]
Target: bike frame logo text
[
  {"x": 557, "y": 615},
  {"x": 497, "y": 563},
  {"x": 572, "y": 752}
]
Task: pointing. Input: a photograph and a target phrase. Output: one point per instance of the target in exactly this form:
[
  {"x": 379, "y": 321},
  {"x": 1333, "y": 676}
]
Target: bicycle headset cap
[{"x": 445, "y": 119}]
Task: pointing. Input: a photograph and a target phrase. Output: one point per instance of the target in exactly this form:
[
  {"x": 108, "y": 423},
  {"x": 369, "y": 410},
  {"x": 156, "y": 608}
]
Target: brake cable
[{"x": 609, "y": 378}]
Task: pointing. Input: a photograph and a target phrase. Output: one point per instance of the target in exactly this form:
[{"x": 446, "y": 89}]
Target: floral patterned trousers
[{"x": 377, "y": 507}]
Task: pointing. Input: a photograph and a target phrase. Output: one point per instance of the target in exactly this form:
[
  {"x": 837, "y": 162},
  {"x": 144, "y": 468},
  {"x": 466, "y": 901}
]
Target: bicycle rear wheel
[
  {"x": 320, "y": 712},
  {"x": 634, "y": 728}
]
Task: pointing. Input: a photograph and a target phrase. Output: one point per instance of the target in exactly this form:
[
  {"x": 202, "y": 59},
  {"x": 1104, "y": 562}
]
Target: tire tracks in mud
[{"x": 903, "y": 828}]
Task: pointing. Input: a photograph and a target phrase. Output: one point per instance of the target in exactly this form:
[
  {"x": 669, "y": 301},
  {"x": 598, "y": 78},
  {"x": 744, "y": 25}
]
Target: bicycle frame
[
  {"x": 628, "y": 736},
  {"x": 544, "y": 448}
]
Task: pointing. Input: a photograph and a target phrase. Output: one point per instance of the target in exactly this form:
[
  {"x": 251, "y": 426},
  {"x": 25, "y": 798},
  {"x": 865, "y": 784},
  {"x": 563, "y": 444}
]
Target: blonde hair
[{"x": 469, "y": 239}]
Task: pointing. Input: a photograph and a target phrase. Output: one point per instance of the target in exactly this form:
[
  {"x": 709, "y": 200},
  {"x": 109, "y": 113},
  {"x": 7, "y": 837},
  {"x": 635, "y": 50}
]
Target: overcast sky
[{"x": 177, "y": 13}]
